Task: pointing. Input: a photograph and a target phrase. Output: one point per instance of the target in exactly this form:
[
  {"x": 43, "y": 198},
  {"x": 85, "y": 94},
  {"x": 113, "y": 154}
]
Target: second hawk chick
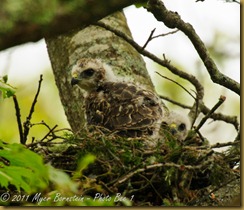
[{"x": 177, "y": 124}]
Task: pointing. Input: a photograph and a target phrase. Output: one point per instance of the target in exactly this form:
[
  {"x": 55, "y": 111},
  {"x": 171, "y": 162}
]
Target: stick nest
[{"x": 169, "y": 174}]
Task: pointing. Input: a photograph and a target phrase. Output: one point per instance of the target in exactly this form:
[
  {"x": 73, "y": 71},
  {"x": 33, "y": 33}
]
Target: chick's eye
[
  {"x": 164, "y": 125},
  {"x": 182, "y": 127},
  {"x": 88, "y": 73}
]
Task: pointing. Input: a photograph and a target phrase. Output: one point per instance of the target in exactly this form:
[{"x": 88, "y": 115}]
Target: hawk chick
[
  {"x": 177, "y": 124},
  {"x": 115, "y": 104}
]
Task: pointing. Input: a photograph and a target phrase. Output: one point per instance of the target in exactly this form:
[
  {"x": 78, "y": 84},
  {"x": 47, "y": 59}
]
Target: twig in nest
[
  {"x": 159, "y": 165},
  {"x": 216, "y": 106},
  {"x": 27, "y": 122},
  {"x": 17, "y": 109},
  {"x": 112, "y": 154},
  {"x": 50, "y": 131},
  {"x": 106, "y": 187},
  {"x": 200, "y": 135},
  {"x": 151, "y": 184}
]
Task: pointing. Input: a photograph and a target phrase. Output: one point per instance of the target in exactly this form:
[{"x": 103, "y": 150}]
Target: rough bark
[{"x": 93, "y": 42}]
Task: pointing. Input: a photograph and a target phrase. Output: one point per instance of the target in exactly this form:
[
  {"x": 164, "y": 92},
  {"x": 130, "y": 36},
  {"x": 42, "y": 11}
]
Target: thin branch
[
  {"x": 166, "y": 34},
  {"x": 41, "y": 123},
  {"x": 151, "y": 37},
  {"x": 217, "y": 145},
  {"x": 234, "y": 1},
  {"x": 50, "y": 131},
  {"x": 173, "y": 20},
  {"x": 238, "y": 136},
  {"x": 200, "y": 135},
  {"x": 18, "y": 115},
  {"x": 177, "y": 84},
  {"x": 174, "y": 102},
  {"x": 195, "y": 112},
  {"x": 219, "y": 116},
  {"x": 27, "y": 122},
  {"x": 225, "y": 144},
  {"x": 205, "y": 110},
  {"x": 216, "y": 106}
]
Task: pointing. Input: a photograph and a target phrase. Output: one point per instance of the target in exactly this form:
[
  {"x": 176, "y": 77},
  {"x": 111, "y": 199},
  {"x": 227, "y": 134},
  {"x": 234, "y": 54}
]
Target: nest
[{"x": 171, "y": 173}]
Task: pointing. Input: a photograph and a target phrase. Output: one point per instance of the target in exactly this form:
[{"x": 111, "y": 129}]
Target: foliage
[
  {"x": 22, "y": 168},
  {"x": 39, "y": 12},
  {"x": 23, "y": 173},
  {"x": 6, "y": 90}
]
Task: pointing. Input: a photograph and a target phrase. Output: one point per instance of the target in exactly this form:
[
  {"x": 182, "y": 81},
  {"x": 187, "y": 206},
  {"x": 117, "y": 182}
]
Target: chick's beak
[
  {"x": 74, "y": 81},
  {"x": 173, "y": 129}
]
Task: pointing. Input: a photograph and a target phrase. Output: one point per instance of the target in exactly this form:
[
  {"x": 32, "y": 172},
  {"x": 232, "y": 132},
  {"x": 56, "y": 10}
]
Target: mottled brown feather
[{"x": 124, "y": 108}]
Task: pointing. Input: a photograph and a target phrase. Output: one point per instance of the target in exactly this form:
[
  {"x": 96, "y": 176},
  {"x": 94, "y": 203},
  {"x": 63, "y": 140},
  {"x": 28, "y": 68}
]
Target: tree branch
[
  {"x": 219, "y": 116},
  {"x": 48, "y": 19},
  {"x": 173, "y": 20},
  {"x": 216, "y": 106}
]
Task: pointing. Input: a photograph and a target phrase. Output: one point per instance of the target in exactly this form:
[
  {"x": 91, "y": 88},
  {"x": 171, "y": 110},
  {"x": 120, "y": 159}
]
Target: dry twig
[
  {"x": 18, "y": 115},
  {"x": 26, "y": 124}
]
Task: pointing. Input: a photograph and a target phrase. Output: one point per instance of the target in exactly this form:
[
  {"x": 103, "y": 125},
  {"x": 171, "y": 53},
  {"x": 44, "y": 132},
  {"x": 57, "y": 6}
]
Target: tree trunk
[{"x": 93, "y": 42}]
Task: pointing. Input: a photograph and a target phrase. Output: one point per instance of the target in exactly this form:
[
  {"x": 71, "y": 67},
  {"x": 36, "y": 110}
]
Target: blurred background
[{"x": 216, "y": 22}]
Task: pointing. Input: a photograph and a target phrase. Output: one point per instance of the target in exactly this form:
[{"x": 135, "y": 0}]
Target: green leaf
[
  {"x": 17, "y": 176},
  {"x": 61, "y": 180},
  {"x": 5, "y": 78},
  {"x": 25, "y": 169},
  {"x": 138, "y": 5},
  {"x": 6, "y": 89},
  {"x": 83, "y": 164}
]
